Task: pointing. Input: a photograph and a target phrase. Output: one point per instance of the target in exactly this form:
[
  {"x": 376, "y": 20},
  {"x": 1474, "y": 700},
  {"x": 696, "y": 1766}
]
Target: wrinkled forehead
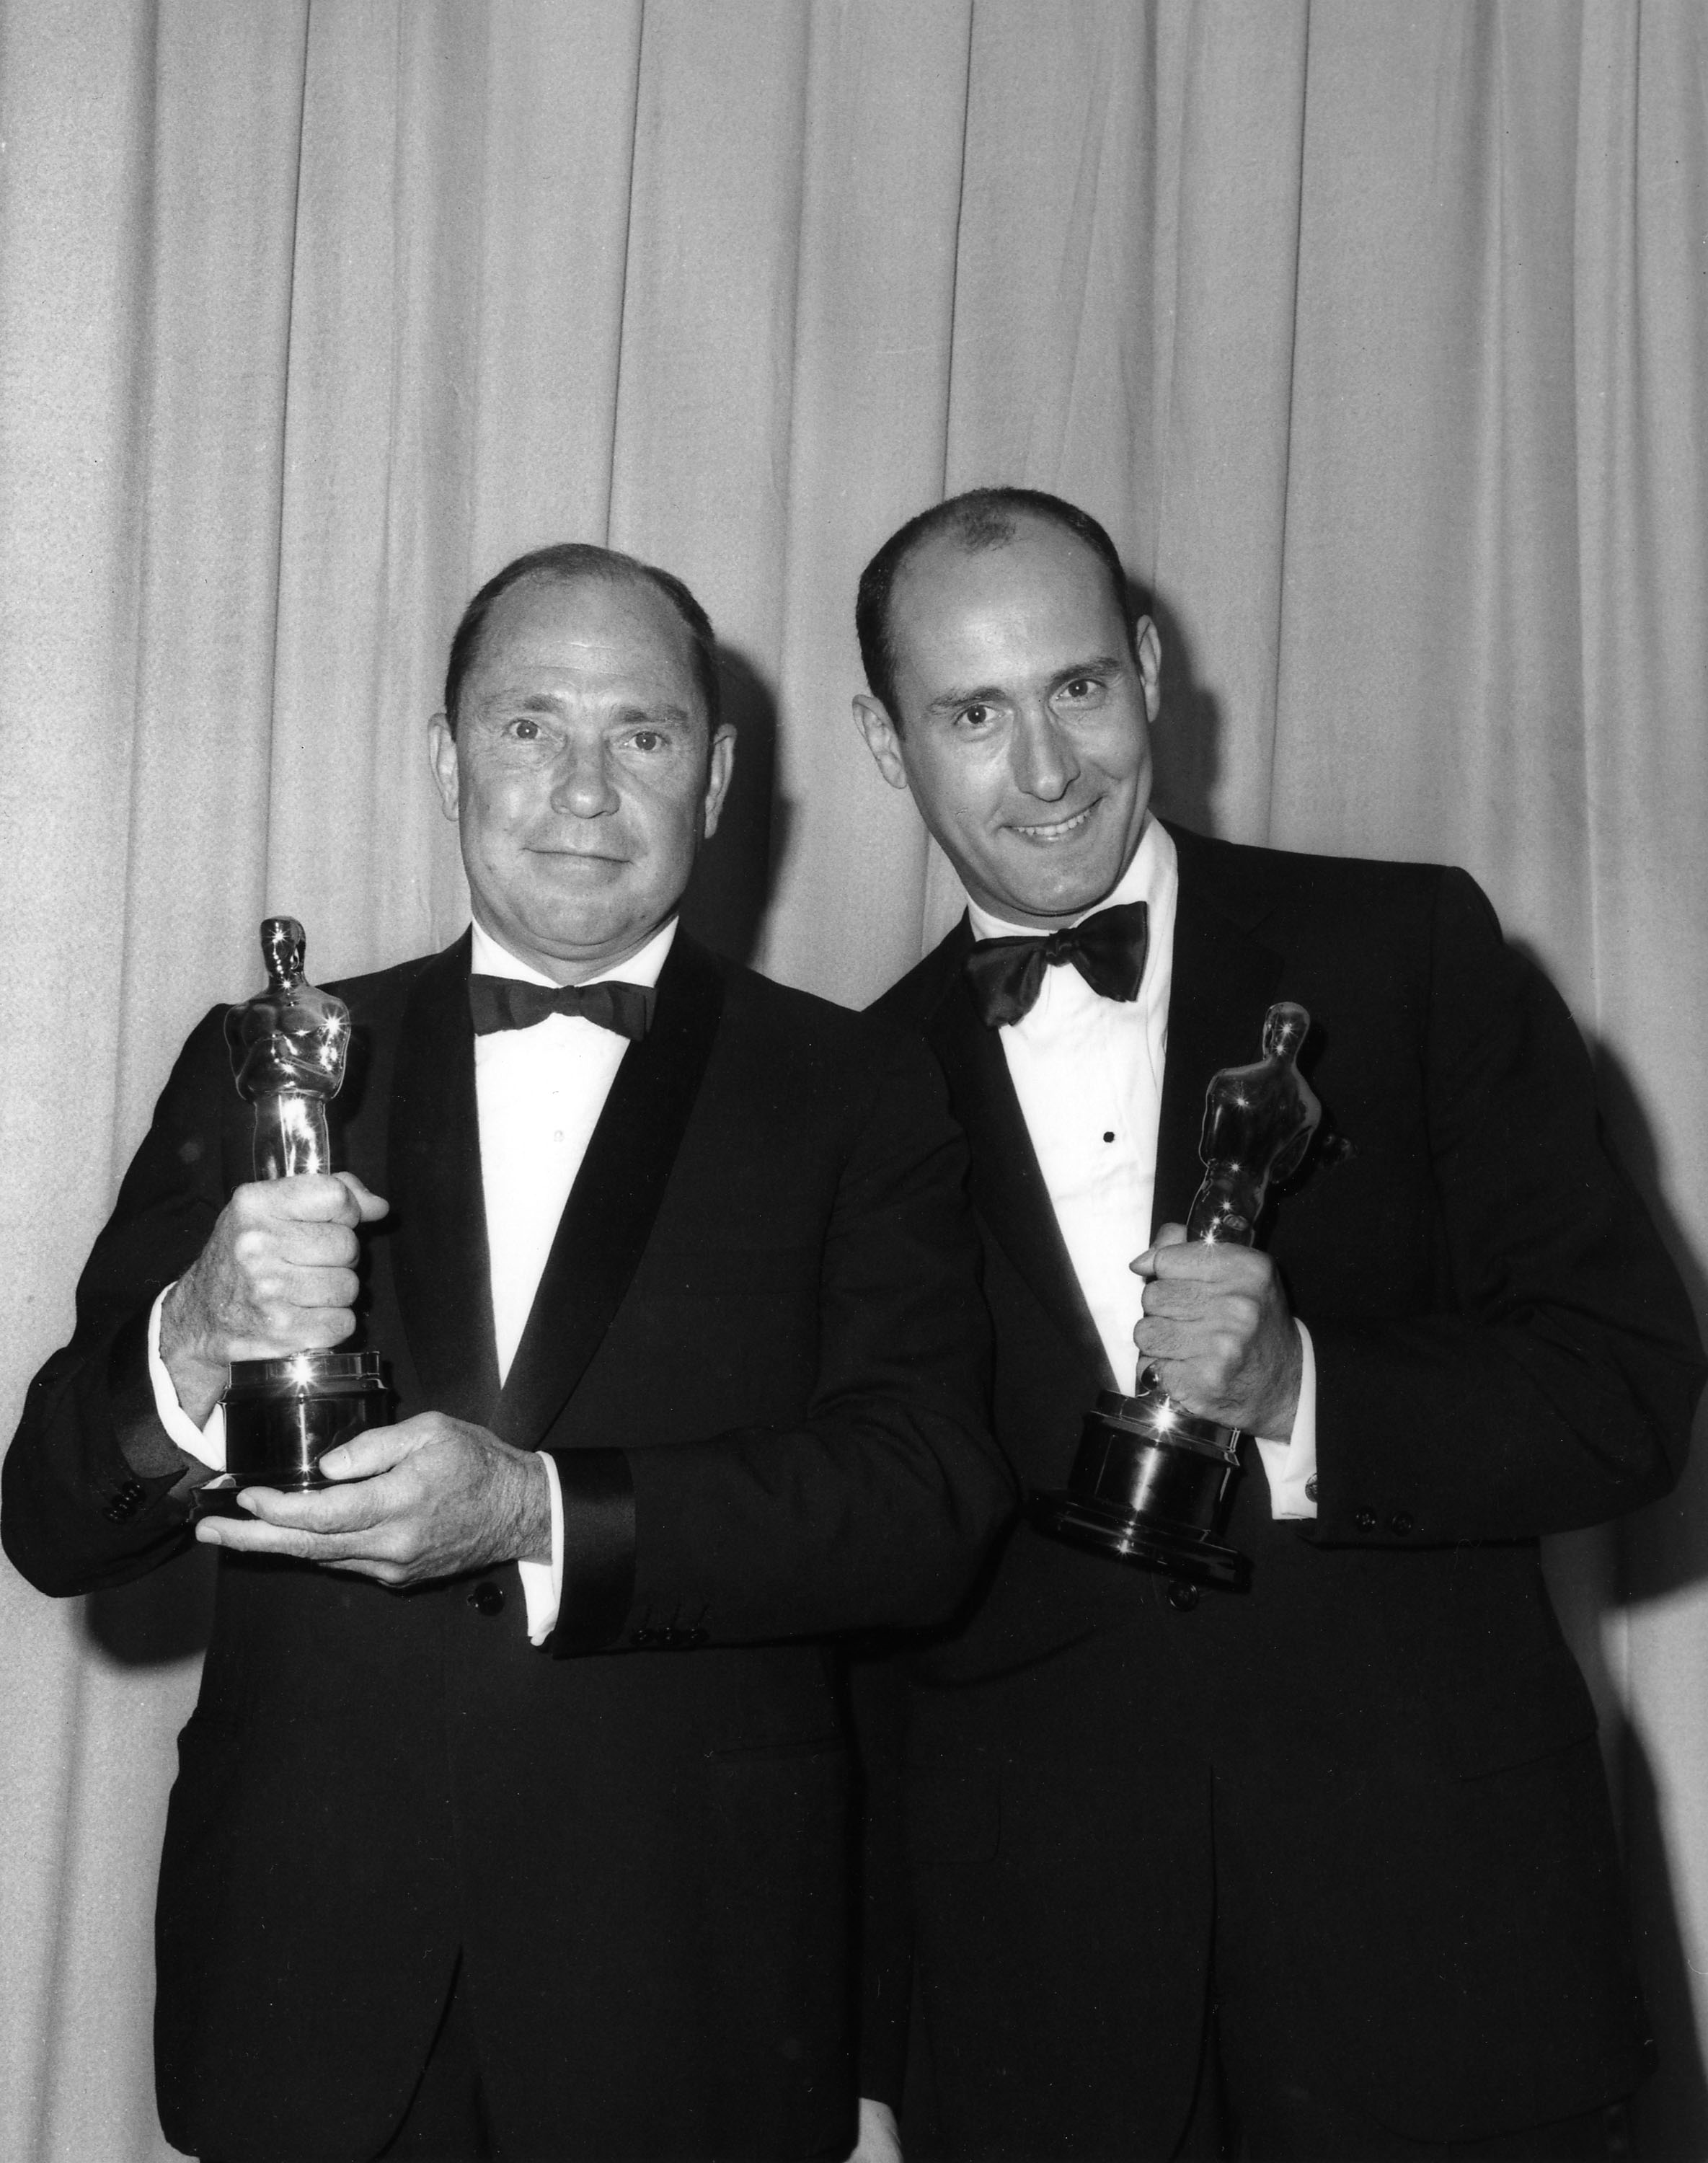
[{"x": 610, "y": 641}]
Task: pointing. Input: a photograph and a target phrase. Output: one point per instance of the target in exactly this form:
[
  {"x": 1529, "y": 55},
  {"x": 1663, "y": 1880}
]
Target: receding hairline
[
  {"x": 984, "y": 533},
  {"x": 565, "y": 564},
  {"x": 592, "y": 574}
]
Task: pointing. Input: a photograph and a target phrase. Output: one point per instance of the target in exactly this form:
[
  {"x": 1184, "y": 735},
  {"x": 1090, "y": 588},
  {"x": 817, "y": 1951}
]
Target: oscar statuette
[
  {"x": 1151, "y": 1482},
  {"x": 288, "y": 1047}
]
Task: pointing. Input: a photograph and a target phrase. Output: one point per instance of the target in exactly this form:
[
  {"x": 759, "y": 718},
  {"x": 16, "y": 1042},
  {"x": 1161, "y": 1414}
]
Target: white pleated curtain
[{"x": 1374, "y": 333}]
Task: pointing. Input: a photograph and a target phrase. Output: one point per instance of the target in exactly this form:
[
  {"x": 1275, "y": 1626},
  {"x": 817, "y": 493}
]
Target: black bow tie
[
  {"x": 1005, "y": 976},
  {"x": 497, "y": 1003}
]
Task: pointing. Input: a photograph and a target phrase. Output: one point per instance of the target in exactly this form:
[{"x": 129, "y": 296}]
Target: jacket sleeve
[
  {"x": 93, "y": 1491},
  {"x": 1553, "y": 1386},
  {"x": 875, "y": 1509}
]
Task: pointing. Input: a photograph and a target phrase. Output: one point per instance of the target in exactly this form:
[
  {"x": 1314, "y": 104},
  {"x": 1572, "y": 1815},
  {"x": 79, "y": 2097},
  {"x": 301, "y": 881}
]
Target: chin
[{"x": 1069, "y": 892}]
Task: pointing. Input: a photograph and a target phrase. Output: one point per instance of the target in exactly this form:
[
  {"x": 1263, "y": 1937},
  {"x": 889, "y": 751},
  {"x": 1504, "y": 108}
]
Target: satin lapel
[
  {"x": 1223, "y": 982},
  {"x": 439, "y": 1264},
  {"x": 1006, "y": 1183},
  {"x": 609, "y": 1216}
]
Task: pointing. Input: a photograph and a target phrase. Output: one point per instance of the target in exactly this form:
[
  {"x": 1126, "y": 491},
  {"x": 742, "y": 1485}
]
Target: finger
[
  {"x": 324, "y": 1512},
  {"x": 1169, "y": 1235},
  {"x": 1160, "y": 1340},
  {"x": 1202, "y": 1261},
  {"x": 251, "y": 1537},
  {"x": 325, "y": 1551},
  {"x": 293, "y": 1285},
  {"x": 263, "y": 1255},
  {"x": 314, "y": 1245},
  {"x": 274, "y": 1329},
  {"x": 375, "y": 1451},
  {"x": 307, "y": 1196},
  {"x": 373, "y": 1207}
]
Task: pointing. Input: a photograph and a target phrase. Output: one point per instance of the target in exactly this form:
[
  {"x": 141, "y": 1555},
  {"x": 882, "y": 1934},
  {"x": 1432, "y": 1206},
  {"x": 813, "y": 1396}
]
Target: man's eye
[
  {"x": 649, "y": 739},
  {"x": 523, "y": 731},
  {"x": 975, "y": 716},
  {"x": 1080, "y": 687}
]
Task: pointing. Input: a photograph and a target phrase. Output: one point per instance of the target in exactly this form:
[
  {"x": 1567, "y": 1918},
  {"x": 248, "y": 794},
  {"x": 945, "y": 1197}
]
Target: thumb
[
  {"x": 1168, "y": 1235},
  {"x": 372, "y": 1206},
  {"x": 375, "y": 1450}
]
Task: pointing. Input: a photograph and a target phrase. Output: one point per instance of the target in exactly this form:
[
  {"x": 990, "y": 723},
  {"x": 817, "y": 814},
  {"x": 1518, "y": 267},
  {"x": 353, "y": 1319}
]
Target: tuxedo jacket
[
  {"x": 759, "y": 1357},
  {"x": 1381, "y": 1758}
]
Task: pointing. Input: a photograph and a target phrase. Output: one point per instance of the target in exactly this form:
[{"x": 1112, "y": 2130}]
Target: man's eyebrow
[
  {"x": 988, "y": 694},
  {"x": 1099, "y": 664},
  {"x": 675, "y": 716},
  {"x": 544, "y": 702}
]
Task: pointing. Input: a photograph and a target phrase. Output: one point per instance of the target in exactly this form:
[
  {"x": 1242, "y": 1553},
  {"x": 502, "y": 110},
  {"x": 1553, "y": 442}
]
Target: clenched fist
[
  {"x": 278, "y": 1276},
  {"x": 1216, "y": 1327}
]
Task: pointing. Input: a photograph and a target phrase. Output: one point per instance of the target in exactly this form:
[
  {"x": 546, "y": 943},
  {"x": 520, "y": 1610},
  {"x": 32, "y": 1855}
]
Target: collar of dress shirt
[
  {"x": 487, "y": 958},
  {"x": 1153, "y": 878}
]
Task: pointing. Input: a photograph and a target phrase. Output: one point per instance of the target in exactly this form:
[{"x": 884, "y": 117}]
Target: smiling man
[
  {"x": 1324, "y": 1869},
  {"x": 511, "y": 1820}
]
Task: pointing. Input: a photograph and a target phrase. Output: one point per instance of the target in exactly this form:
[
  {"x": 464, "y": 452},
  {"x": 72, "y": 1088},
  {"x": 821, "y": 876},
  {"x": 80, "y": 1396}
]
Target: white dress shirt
[
  {"x": 538, "y": 1095},
  {"x": 1088, "y": 1074}
]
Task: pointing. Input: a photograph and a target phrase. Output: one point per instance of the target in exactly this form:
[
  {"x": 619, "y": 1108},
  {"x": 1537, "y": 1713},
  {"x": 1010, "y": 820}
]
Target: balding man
[
  {"x": 677, "y": 1293},
  {"x": 1337, "y": 1849}
]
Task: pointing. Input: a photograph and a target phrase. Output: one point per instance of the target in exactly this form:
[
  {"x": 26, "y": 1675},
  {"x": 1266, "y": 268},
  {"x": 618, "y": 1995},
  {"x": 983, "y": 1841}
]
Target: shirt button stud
[
  {"x": 1183, "y": 1597},
  {"x": 487, "y": 1598},
  {"x": 1311, "y": 1488}
]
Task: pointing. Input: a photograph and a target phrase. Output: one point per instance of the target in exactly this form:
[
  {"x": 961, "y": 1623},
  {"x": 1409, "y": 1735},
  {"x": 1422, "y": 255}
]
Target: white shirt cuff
[
  {"x": 542, "y": 1582},
  {"x": 1290, "y": 1466},
  {"x": 206, "y": 1443}
]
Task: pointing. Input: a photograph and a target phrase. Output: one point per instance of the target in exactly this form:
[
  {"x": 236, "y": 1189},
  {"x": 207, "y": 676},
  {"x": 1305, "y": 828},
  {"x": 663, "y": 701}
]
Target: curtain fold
[{"x": 1378, "y": 336}]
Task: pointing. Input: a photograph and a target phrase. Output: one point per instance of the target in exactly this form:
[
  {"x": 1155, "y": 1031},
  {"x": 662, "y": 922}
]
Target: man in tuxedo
[
  {"x": 675, "y": 1280},
  {"x": 1324, "y": 1867}
]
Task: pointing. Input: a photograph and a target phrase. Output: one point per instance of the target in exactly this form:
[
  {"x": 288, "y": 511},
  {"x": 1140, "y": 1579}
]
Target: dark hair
[
  {"x": 983, "y": 518},
  {"x": 580, "y": 559}
]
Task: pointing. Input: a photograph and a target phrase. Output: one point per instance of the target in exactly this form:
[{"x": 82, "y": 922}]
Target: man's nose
[
  {"x": 581, "y": 781},
  {"x": 1043, "y": 759}
]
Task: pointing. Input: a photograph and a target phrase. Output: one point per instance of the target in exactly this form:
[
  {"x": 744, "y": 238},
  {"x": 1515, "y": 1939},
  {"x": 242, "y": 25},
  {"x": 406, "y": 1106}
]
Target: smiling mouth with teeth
[{"x": 1060, "y": 829}]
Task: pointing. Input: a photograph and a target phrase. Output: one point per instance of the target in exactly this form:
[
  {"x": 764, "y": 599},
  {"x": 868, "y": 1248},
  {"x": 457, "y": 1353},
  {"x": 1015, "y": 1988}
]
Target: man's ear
[
  {"x": 720, "y": 764},
  {"x": 442, "y": 752},
  {"x": 1147, "y": 646},
  {"x": 882, "y": 738}
]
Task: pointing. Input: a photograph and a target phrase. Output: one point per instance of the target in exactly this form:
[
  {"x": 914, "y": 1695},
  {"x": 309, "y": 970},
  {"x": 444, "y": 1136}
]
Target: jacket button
[
  {"x": 1311, "y": 1488},
  {"x": 1182, "y": 1596},
  {"x": 487, "y": 1598},
  {"x": 696, "y": 1637},
  {"x": 125, "y": 1503},
  {"x": 1364, "y": 1519},
  {"x": 643, "y": 1639},
  {"x": 1400, "y": 1523}
]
